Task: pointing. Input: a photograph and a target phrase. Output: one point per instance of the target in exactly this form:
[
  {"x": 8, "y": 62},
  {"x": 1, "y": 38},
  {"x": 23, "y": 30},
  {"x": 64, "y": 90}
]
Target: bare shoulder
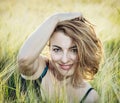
[
  {"x": 92, "y": 97},
  {"x": 43, "y": 58}
]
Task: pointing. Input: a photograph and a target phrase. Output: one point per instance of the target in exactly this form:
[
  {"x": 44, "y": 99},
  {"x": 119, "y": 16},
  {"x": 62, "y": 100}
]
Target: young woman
[{"x": 75, "y": 54}]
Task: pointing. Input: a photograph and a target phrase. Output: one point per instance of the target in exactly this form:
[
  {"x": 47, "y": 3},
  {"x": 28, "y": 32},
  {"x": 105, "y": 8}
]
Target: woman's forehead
[{"x": 62, "y": 40}]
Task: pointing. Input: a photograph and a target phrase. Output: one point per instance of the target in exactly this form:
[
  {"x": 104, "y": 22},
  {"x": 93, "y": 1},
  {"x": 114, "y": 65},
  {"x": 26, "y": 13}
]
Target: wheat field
[{"x": 18, "y": 18}]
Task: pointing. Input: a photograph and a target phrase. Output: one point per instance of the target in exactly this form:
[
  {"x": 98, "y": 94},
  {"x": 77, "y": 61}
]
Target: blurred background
[{"x": 18, "y": 18}]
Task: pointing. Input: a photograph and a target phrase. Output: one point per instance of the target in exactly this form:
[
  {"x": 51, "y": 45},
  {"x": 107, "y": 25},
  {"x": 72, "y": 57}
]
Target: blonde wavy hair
[{"x": 88, "y": 44}]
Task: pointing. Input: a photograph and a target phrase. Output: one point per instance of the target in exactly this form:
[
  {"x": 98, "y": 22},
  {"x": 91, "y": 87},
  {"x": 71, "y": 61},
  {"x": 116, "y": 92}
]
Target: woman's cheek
[
  {"x": 74, "y": 57},
  {"x": 55, "y": 57}
]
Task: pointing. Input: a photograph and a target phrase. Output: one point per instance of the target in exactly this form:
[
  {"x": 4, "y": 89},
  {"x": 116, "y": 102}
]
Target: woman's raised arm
[{"x": 28, "y": 56}]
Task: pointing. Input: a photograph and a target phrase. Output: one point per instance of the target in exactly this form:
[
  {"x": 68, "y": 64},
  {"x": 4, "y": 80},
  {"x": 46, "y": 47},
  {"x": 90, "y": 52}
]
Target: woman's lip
[{"x": 65, "y": 67}]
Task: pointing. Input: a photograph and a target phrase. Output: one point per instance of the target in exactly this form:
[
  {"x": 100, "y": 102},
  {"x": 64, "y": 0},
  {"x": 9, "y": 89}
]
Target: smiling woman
[
  {"x": 75, "y": 54},
  {"x": 63, "y": 53}
]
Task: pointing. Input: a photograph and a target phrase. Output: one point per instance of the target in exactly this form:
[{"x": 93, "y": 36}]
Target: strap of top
[
  {"x": 43, "y": 73},
  {"x": 82, "y": 101}
]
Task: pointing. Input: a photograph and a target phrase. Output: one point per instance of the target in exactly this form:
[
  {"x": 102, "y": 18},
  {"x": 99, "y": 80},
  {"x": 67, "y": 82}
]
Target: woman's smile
[{"x": 65, "y": 66}]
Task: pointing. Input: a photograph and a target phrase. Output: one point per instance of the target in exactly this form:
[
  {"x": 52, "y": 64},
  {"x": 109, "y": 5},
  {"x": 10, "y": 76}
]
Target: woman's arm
[{"x": 28, "y": 57}]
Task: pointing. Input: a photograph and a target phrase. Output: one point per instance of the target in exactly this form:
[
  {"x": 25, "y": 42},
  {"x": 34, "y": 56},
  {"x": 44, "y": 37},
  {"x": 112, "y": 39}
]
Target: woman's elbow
[
  {"x": 22, "y": 62},
  {"x": 23, "y": 66},
  {"x": 26, "y": 66}
]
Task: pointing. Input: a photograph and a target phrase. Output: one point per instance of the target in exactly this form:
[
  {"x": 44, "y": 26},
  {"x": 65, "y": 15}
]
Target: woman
[{"x": 75, "y": 54}]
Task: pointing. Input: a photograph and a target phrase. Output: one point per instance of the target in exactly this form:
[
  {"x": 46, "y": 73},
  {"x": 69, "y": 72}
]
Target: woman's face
[{"x": 63, "y": 53}]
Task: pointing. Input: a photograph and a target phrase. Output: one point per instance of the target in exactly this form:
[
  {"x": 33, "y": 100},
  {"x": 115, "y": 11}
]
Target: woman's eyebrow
[
  {"x": 73, "y": 47},
  {"x": 56, "y": 46}
]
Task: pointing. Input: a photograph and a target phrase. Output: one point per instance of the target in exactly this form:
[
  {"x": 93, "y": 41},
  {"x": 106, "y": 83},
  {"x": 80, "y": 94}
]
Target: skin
[
  {"x": 63, "y": 53},
  {"x": 31, "y": 63}
]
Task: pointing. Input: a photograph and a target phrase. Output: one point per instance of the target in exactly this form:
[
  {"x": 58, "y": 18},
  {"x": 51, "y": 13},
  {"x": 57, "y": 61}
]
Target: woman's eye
[
  {"x": 56, "y": 50},
  {"x": 74, "y": 50}
]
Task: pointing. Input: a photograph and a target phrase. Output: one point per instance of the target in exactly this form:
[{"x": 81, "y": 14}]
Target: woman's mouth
[{"x": 65, "y": 67}]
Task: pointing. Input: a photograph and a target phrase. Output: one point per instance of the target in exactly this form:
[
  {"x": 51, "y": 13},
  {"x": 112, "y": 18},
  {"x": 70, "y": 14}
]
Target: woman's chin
[{"x": 65, "y": 72}]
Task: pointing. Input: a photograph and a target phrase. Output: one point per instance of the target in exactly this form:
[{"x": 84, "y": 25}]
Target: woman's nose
[{"x": 65, "y": 58}]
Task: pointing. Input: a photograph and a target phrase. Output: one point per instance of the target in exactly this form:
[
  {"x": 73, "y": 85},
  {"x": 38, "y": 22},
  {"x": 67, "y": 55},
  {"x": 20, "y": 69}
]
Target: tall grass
[{"x": 19, "y": 18}]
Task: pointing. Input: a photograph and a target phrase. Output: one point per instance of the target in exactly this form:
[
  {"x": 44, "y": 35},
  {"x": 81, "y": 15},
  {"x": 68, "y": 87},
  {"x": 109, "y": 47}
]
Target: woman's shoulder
[
  {"x": 43, "y": 60},
  {"x": 92, "y": 97},
  {"x": 90, "y": 94}
]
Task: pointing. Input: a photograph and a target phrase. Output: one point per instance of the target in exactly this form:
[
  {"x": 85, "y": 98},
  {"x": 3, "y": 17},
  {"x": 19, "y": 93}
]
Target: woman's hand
[{"x": 68, "y": 16}]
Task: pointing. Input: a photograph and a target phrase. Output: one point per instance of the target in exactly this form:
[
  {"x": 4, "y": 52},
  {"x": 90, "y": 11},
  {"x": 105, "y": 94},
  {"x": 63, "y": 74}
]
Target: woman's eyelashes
[
  {"x": 74, "y": 50},
  {"x": 56, "y": 50}
]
